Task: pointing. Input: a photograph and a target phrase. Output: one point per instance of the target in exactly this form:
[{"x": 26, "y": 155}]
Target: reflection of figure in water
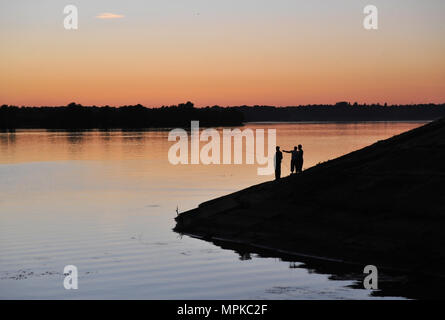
[
  {"x": 245, "y": 256},
  {"x": 294, "y": 160},
  {"x": 300, "y": 159},
  {"x": 278, "y": 158}
]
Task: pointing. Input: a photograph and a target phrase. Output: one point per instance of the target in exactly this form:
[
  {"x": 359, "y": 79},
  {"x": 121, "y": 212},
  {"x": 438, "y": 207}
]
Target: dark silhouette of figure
[
  {"x": 300, "y": 159},
  {"x": 293, "y": 161},
  {"x": 278, "y": 158}
]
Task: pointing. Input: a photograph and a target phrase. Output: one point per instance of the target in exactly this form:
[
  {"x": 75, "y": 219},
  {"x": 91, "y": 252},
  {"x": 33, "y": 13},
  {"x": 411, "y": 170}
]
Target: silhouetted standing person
[
  {"x": 300, "y": 159},
  {"x": 293, "y": 161},
  {"x": 278, "y": 158}
]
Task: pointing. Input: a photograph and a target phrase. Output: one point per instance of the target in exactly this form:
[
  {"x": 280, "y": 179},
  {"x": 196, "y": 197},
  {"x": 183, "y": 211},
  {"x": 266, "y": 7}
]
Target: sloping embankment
[{"x": 382, "y": 205}]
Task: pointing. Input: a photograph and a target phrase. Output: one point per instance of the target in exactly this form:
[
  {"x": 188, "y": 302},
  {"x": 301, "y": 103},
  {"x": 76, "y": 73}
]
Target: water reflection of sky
[{"x": 105, "y": 202}]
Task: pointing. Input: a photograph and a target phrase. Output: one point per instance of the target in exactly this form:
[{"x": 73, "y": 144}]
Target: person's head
[
  {"x": 300, "y": 146},
  {"x": 295, "y": 148},
  {"x": 278, "y": 148}
]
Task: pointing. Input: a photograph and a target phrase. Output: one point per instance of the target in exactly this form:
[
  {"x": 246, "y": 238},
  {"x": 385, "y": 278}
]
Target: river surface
[{"x": 105, "y": 202}]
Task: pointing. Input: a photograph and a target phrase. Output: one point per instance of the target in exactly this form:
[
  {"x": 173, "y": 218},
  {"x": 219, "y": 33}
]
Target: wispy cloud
[{"x": 108, "y": 15}]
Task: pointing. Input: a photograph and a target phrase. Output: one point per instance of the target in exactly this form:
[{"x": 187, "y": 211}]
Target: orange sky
[{"x": 293, "y": 55}]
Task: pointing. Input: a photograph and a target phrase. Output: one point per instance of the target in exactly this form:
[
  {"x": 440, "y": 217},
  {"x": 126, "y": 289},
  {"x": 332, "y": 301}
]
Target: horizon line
[{"x": 230, "y": 106}]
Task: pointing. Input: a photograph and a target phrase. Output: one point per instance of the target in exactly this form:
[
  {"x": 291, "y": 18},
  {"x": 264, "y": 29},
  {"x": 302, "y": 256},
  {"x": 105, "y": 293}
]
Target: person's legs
[
  {"x": 278, "y": 173},
  {"x": 293, "y": 165},
  {"x": 300, "y": 166}
]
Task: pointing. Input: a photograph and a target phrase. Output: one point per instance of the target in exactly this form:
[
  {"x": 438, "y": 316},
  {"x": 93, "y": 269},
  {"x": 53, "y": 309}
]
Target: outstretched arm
[{"x": 287, "y": 151}]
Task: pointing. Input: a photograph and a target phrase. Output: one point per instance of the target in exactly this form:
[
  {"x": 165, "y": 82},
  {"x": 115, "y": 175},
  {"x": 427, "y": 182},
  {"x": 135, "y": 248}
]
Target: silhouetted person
[
  {"x": 293, "y": 161},
  {"x": 278, "y": 158},
  {"x": 300, "y": 159}
]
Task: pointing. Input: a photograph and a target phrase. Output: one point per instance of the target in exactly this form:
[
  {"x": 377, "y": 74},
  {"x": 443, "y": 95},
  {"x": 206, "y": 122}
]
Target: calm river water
[{"x": 105, "y": 201}]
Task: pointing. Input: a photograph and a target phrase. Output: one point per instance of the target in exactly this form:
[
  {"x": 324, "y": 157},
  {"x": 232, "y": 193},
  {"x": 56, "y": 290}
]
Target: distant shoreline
[
  {"x": 18, "y": 130},
  {"x": 77, "y": 117},
  {"x": 339, "y": 122}
]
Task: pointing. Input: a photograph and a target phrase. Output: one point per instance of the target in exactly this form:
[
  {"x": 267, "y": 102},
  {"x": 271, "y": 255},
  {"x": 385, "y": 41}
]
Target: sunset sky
[{"x": 231, "y": 52}]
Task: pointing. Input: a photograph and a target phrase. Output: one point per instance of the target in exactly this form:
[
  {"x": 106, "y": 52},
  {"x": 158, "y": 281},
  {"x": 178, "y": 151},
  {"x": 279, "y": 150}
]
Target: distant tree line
[
  {"x": 344, "y": 111},
  {"x": 76, "y": 116}
]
